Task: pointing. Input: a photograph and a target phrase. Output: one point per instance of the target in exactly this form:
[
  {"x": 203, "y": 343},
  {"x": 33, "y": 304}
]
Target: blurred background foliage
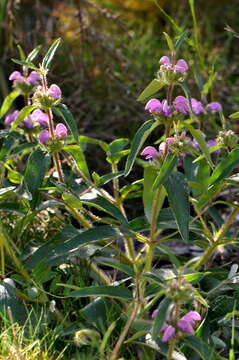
[{"x": 111, "y": 50}]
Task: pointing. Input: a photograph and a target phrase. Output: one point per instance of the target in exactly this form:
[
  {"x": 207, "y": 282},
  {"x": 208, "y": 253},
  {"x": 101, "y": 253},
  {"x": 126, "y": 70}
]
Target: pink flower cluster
[
  {"x": 181, "y": 105},
  {"x": 180, "y": 66},
  {"x": 32, "y": 79},
  {"x": 185, "y": 324},
  {"x": 59, "y": 132},
  {"x": 37, "y": 117}
]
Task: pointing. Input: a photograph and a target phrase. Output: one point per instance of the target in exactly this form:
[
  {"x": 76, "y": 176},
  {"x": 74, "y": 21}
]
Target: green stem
[
  {"x": 150, "y": 256},
  {"x": 217, "y": 239},
  {"x": 155, "y": 211},
  {"x": 78, "y": 216},
  {"x": 171, "y": 349}
]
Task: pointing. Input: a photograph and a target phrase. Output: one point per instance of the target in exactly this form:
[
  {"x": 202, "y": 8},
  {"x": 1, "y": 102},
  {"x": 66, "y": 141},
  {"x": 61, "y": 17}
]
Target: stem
[
  {"x": 155, "y": 212},
  {"x": 114, "y": 355},
  {"x": 171, "y": 349},
  {"x": 149, "y": 258},
  {"x": 57, "y": 163},
  {"x": 217, "y": 239},
  {"x": 82, "y": 220}
]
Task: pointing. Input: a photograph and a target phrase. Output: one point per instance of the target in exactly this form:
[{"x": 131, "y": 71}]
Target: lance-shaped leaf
[
  {"x": 117, "y": 265},
  {"x": 62, "y": 111},
  {"x": 79, "y": 157},
  {"x": 28, "y": 64},
  {"x": 178, "y": 193},
  {"x": 165, "y": 170},
  {"x": 31, "y": 56},
  {"x": 119, "y": 292},
  {"x": 8, "y": 102},
  {"x": 37, "y": 166},
  {"x": 141, "y": 135},
  {"x": 46, "y": 62},
  {"x": 225, "y": 167},
  {"x": 150, "y": 90}
]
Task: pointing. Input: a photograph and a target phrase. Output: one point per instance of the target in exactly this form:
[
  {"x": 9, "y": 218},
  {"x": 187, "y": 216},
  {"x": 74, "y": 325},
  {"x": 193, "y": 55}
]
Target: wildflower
[
  {"x": 181, "y": 105},
  {"x": 166, "y": 108},
  {"x": 154, "y": 106},
  {"x": 164, "y": 60},
  {"x": 28, "y": 123},
  {"x": 170, "y": 140},
  {"x": 16, "y": 76},
  {"x": 40, "y": 117},
  {"x": 54, "y": 91},
  {"x": 44, "y": 136},
  {"x": 11, "y": 117},
  {"x": 60, "y": 131},
  {"x": 181, "y": 66},
  {"x": 214, "y": 107},
  {"x": 185, "y": 324},
  {"x": 34, "y": 78},
  {"x": 197, "y": 106},
  {"x": 150, "y": 152}
]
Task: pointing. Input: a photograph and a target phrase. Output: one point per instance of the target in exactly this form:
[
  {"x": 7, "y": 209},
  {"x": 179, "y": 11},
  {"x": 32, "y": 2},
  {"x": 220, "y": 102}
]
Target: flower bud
[
  {"x": 40, "y": 117},
  {"x": 150, "y": 152},
  {"x": 60, "y": 131},
  {"x": 44, "y": 136},
  {"x": 34, "y": 78},
  {"x": 214, "y": 107},
  {"x": 154, "y": 106},
  {"x": 54, "y": 91},
  {"x": 181, "y": 66},
  {"x": 11, "y": 117},
  {"x": 227, "y": 138},
  {"x": 197, "y": 106},
  {"x": 180, "y": 104}
]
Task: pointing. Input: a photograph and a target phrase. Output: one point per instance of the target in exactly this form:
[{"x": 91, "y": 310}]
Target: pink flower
[
  {"x": 11, "y": 117},
  {"x": 166, "y": 108},
  {"x": 197, "y": 106},
  {"x": 28, "y": 123},
  {"x": 149, "y": 152},
  {"x": 164, "y": 60},
  {"x": 186, "y": 322},
  {"x": 170, "y": 140},
  {"x": 34, "y": 78},
  {"x": 181, "y": 104},
  {"x": 60, "y": 131},
  {"x": 40, "y": 117},
  {"x": 181, "y": 66},
  {"x": 214, "y": 107},
  {"x": 154, "y": 106},
  {"x": 54, "y": 91},
  {"x": 16, "y": 76},
  {"x": 44, "y": 136},
  {"x": 168, "y": 332}
]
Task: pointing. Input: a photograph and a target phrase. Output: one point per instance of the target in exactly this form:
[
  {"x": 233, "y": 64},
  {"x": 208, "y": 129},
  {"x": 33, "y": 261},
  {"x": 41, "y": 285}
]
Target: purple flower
[
  {"x": 154, "y": 106},
  {"x": 11, "y": 117},
  {"x": 164, "y": 60},
  {"x": 181, "y": 66},
  {"x": 60, "y": 131},
  {"x": 54, "y": 91},
  {"x": 28, "y": 123},
  {"x": 181, "y": 105},
  {"x": 16, "y": 76},
  {"x": 197, "y": 106},
  {"x": 166, "y": 108},
  {"x": 44, "y": 136},
  {"x": 186, "y": 322},
  {"x": 34, "y": 78},
  {"x": 40, "y": 117},
  {"x": 214, "y": 107},
  {"x": 168, "y": 332},
  {"x": 170, "y": 140},
  {"x": 211, "y": 143},
  {"x": 149, "y": 152}
]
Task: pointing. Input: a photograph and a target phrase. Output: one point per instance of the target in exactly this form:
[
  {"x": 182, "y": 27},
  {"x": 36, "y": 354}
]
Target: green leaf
[
  {"x": 94, "y": 199},
  {"x": 150, "y": 90},
  {"x": 225, "y": 167},
  {"x": 178, "y": 192},
  {"x": 63, "y": 111},
  {"x": 8, "y": 102},
  {"x": 89, "y": 140},
  {"x": 202, "y": 348},
  {"x": 31, "y": 56},
  {"x": 104, "y": 179},
  {"x": 79, "y": 157},
  {"x": 50, "y": 54},
  {"x": 141, "y": 135},
  {"x": 117, "y": 265},
  {"x": 21, "y": 52},
  {"x": 198, "y": 136},
  {"x": 161, "y": 317},
  {"x": 118, "y": 145},
  {"x": 119, "y": 292},
  {"x": 207, "y": 196},
  {"x": 68, "y": 243},
  {"x": 150, "y": 174},
  {"x": 235, "y": 115},
  {"x": 22, "y": 114},
  {"x": 28, "y": 64},
  {"x": 165, "y": 170},
  {"x": 37, "y": 166},
  {"x": 169, "y": 42}
]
